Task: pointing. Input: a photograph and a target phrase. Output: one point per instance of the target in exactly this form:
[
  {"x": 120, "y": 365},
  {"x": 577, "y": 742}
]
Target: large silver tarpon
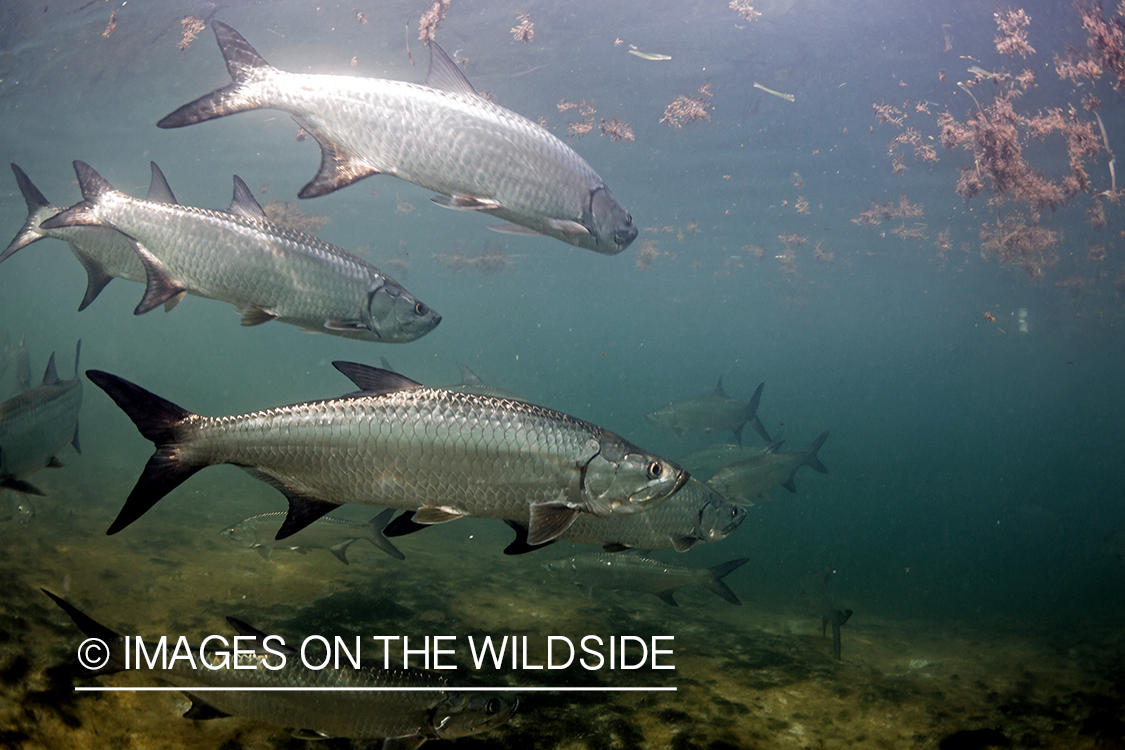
[
  {"x": 267, "y": 271},
  {"x": 399, "y": 444},
  {"x": 442, "y": 136}
]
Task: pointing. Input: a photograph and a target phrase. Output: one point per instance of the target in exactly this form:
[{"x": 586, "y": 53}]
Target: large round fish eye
[
  {"x": 655, "y": 470},
  {"x": 420, "y": 308},
  {"x": 493, "y": 706}
]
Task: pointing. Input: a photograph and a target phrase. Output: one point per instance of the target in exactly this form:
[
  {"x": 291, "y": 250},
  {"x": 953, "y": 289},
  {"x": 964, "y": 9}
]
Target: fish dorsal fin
[
  {"x": 774, "y": 447},
  {"x": 444, "y": 74},
  {"x": 468, "y": 377},
  {"x": 51, "y": 375},
  {"x": 91, "y": 183},
  {"x": 719, "y": 388},
  {"x": 244, "y": 203},
  {"x": 372, "y": 380},
  {"x": 158, "y": 189}
]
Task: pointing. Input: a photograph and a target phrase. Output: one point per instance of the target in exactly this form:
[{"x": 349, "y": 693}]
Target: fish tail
[
  {"x": 244, "y": 64},
  {"x": 721, "y": 571},
  {"x": 94, "y": 629},
  {"x": 752, "y": 415},
  {"x": 157, "y": 420},
  {"x": 811, "y": 459},
  {"x": 38, "y": 209},
  {"x": 378, "y": 523},
  {"x": 82, "y": 214}
]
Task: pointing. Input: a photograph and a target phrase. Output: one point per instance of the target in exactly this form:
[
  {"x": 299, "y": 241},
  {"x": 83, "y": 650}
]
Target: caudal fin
[
  {"x": 721, "y": 571},
  {"x": 94, "y": 653},
  {"x": 752, "y": 416},
  {"x": 810, "y": 455},
  {"x": 244, "y": 65},
  {"x": 38, "y": 209},
  {"x": 158, "y": 420}
]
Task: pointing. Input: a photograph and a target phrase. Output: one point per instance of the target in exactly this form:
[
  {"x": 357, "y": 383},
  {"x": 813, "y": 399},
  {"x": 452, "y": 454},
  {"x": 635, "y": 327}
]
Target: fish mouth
[{"x": 681, "y": 480}]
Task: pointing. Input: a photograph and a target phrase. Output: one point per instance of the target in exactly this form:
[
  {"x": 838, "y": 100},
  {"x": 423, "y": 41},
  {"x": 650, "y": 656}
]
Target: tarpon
[
  {"x": 694, "y": 514},
  {"x": 359, "y": 706},
  {"x": 267, "y": 271},
  {"x": 705, "y": 462},
  {"x": 36, "y": 424},
  {"x": 714, "y": 411},
  {"x": 442, "y": 136},
  {"x": 753, "y": 477},
  {"x": 399, "y": 444},
  {"x": 330, "y": 533},
  {"x": 632, "y": 572},
  {"x": 104, "y": 252},
  {"x": 815, "y": 588}
]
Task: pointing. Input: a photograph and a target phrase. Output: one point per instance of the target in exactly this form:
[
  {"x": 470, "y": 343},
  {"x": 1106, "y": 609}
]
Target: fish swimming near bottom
[
  {"x": 398, "y": 444},
  {"x": 816, "y": 589},
  {"x": 405, "y": 719},
  {"x": 36, "y": 424},
  {"x": 330, "y": 533},
  {"x": 711, "y": 411},
  {"x": 753, "y": 477},
  {"x": 632, "y": 572}
]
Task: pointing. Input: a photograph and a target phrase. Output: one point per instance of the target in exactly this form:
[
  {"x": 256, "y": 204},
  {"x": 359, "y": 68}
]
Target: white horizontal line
[{"x": 380, "y": 689}]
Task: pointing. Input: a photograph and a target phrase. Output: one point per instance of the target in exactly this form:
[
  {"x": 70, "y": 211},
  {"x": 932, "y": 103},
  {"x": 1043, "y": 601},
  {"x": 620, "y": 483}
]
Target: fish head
[
  {"x": 242, "y": 534},
  {"x": 463, "y": 714},
  {"x": 718, "y": 519},
  {"x": 611, "y": 225},
  {"x": 395, "y": 315},
  {"x": 664, "y": 418},
  {"x": 622, "y": 478}
]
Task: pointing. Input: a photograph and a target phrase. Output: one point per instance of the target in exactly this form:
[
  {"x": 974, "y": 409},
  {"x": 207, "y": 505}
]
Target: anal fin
[
  {"x": 161, "y": 285},
  {"x": 201, "y": 710},
  {"x": 337, "y": 169},
  {"x": 252, "y": 315}
]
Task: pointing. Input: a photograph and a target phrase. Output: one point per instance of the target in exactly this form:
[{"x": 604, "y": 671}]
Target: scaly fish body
[
  {"x": 267, "y": 271},
  {"x": 399, "y": 444},
  {"x": 713, "y": 411},
  {"x": 694, "y": 514},
  {"x": 333, "y": 534},
  {"x": 442, "y": 136},
  {"x": 705, "y": 462},
  {"x": 630, "y": 572},
  {"x": 105, "y": 253},
  {"x": 754, "y": 476},
  {"x": 36, "y": 424},
  {"x": 409, "y": 717}
]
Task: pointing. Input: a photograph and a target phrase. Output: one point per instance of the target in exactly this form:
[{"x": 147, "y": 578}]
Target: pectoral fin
[
  {"x": 409, "y": 742},
  {"x": 548, "y": 521},
  {"x": 18, "y": 485},
  {"x": 566, "y": 226},
  {"x": 683, "y": 543},
  {"x": 509, "y": 228}
]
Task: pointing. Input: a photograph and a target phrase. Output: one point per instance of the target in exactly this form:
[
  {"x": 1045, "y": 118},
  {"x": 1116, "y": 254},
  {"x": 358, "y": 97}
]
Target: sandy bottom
[{"x": 748, "y": 677}]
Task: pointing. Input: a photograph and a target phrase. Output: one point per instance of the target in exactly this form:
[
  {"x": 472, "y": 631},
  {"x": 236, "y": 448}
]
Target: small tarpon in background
[
  {"x": 330, "y": 533},
  {"x": 471, "y": 383},
  {"x": 398, "y": 444},
  {"x": 815, "y": 587},
  {"x": 105, "y": 253},
  {"x": 266, "y": 270},
  {"x": 633, "y": 572},
  {"x": 696, "y": 514},
  {"x": 705, "y": 462},
  {"x": 442, "y": 136},
  {"x": 405, "y": 719},
  {"x": 711, "y": 412},
  {"x": 36, "y": 424},
  {"x": 753, "y": 477},
  {"x": 20, "y": 508}
]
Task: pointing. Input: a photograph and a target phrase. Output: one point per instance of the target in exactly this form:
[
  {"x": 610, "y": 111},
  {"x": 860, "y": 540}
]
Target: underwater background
[{"x": 974, "y": 511}]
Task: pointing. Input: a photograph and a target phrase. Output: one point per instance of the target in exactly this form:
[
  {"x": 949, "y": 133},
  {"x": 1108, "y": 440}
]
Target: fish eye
[
  {"x": 420, "y": 308},
  {"x": 655, "y": 470},
  {"x": 493, "y": 706}
]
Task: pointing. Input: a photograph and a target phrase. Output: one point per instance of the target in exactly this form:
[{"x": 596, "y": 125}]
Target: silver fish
[
  {"x": 705, "y": 462},
  {"x": 714, "y": 411},
  {"x": 694, "y": 514},
  {"x": 471, "y": 383},
  {"x": 442, "y": 136},
  {"x": 399, "y": 444},
  {"x": 333, "y": 534},
  {"x": 630, "y": 572},
  {"x": 20, "y": 508},
  {"x": 36, "y": 424},
  {"x": 267, "y": 271},
  {"x": 754, "y": 476},
  {"x": 105, "y": 253},
  {"x": 406, "y": 719}
]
